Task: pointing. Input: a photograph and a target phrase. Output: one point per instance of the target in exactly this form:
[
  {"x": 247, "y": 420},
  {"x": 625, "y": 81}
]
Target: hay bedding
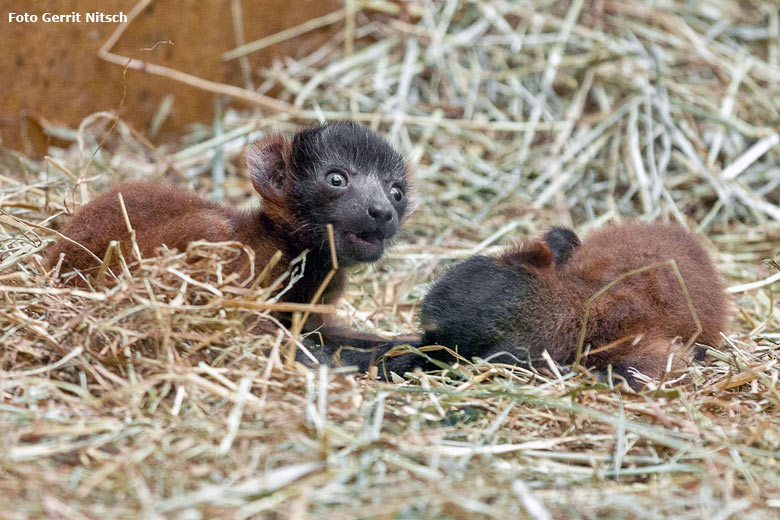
[{"x": 147, "y": 396}]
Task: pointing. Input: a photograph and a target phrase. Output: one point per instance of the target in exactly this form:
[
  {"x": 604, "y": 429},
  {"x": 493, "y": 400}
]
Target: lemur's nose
[{"x": 379, "y": 211}]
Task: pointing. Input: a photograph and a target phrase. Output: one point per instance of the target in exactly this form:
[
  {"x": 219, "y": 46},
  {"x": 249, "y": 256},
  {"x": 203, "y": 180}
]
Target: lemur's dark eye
[
  {"x": 397, "y": 193},
  {"x": 336, "y": 179}
]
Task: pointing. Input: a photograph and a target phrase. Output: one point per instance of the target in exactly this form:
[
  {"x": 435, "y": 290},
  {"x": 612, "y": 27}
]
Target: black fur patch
[{"x": 349, "y": 144}]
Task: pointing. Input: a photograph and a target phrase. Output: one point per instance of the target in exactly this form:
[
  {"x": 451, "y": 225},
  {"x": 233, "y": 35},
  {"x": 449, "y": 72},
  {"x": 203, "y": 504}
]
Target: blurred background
[{"x": 52, "y": 74}]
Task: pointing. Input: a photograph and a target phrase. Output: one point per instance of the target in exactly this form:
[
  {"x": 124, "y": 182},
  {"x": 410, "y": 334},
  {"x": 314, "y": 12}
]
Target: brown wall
[{"x": 51, "y": 72}]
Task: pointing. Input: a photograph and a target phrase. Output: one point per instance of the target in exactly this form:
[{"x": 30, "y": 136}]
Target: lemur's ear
[
  {"x": 562, "y": 242},
  {"x": 269, "y": 163},
  {"x": 531, "y": 254}
]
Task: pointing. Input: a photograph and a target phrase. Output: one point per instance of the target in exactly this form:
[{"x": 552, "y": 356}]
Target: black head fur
[{"x": 348, "y": 144}]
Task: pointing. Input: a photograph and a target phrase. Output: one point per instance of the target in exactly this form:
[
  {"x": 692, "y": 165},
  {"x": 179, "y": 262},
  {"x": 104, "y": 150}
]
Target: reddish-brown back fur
[
  {"x": 159, "y": 214},
  {"x": 649, "y": 308},
  {"x": 164, "y": 215}
]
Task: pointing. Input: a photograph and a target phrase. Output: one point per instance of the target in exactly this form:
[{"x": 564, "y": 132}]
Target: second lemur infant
[{"x": 534, "y": 298}]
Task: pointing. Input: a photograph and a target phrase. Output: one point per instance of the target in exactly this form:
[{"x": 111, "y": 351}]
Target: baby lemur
[
  {"x": 535, "y": 297},
  {"x": 339, "y": 173}
]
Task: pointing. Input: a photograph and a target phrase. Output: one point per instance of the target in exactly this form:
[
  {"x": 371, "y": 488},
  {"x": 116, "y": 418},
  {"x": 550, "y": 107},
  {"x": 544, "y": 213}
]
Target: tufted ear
[
  {"x": 531, "y": 254},
  {"x": 562, "y": 242},
  {"x": 269, "y": 166}
]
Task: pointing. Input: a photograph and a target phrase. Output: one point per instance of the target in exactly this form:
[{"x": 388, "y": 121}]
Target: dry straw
[{"x": 149, "y": 396}]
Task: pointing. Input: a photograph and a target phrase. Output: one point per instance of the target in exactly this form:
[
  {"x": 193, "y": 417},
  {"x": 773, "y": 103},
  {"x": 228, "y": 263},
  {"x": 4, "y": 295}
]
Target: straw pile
[{"x": 148, "y": 397}]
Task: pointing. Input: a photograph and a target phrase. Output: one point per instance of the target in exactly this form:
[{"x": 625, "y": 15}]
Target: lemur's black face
[{"x": 349, "y": 177}]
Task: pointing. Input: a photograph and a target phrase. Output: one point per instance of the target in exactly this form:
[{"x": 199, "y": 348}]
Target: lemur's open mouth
[{"x": 368, "y": 237}]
